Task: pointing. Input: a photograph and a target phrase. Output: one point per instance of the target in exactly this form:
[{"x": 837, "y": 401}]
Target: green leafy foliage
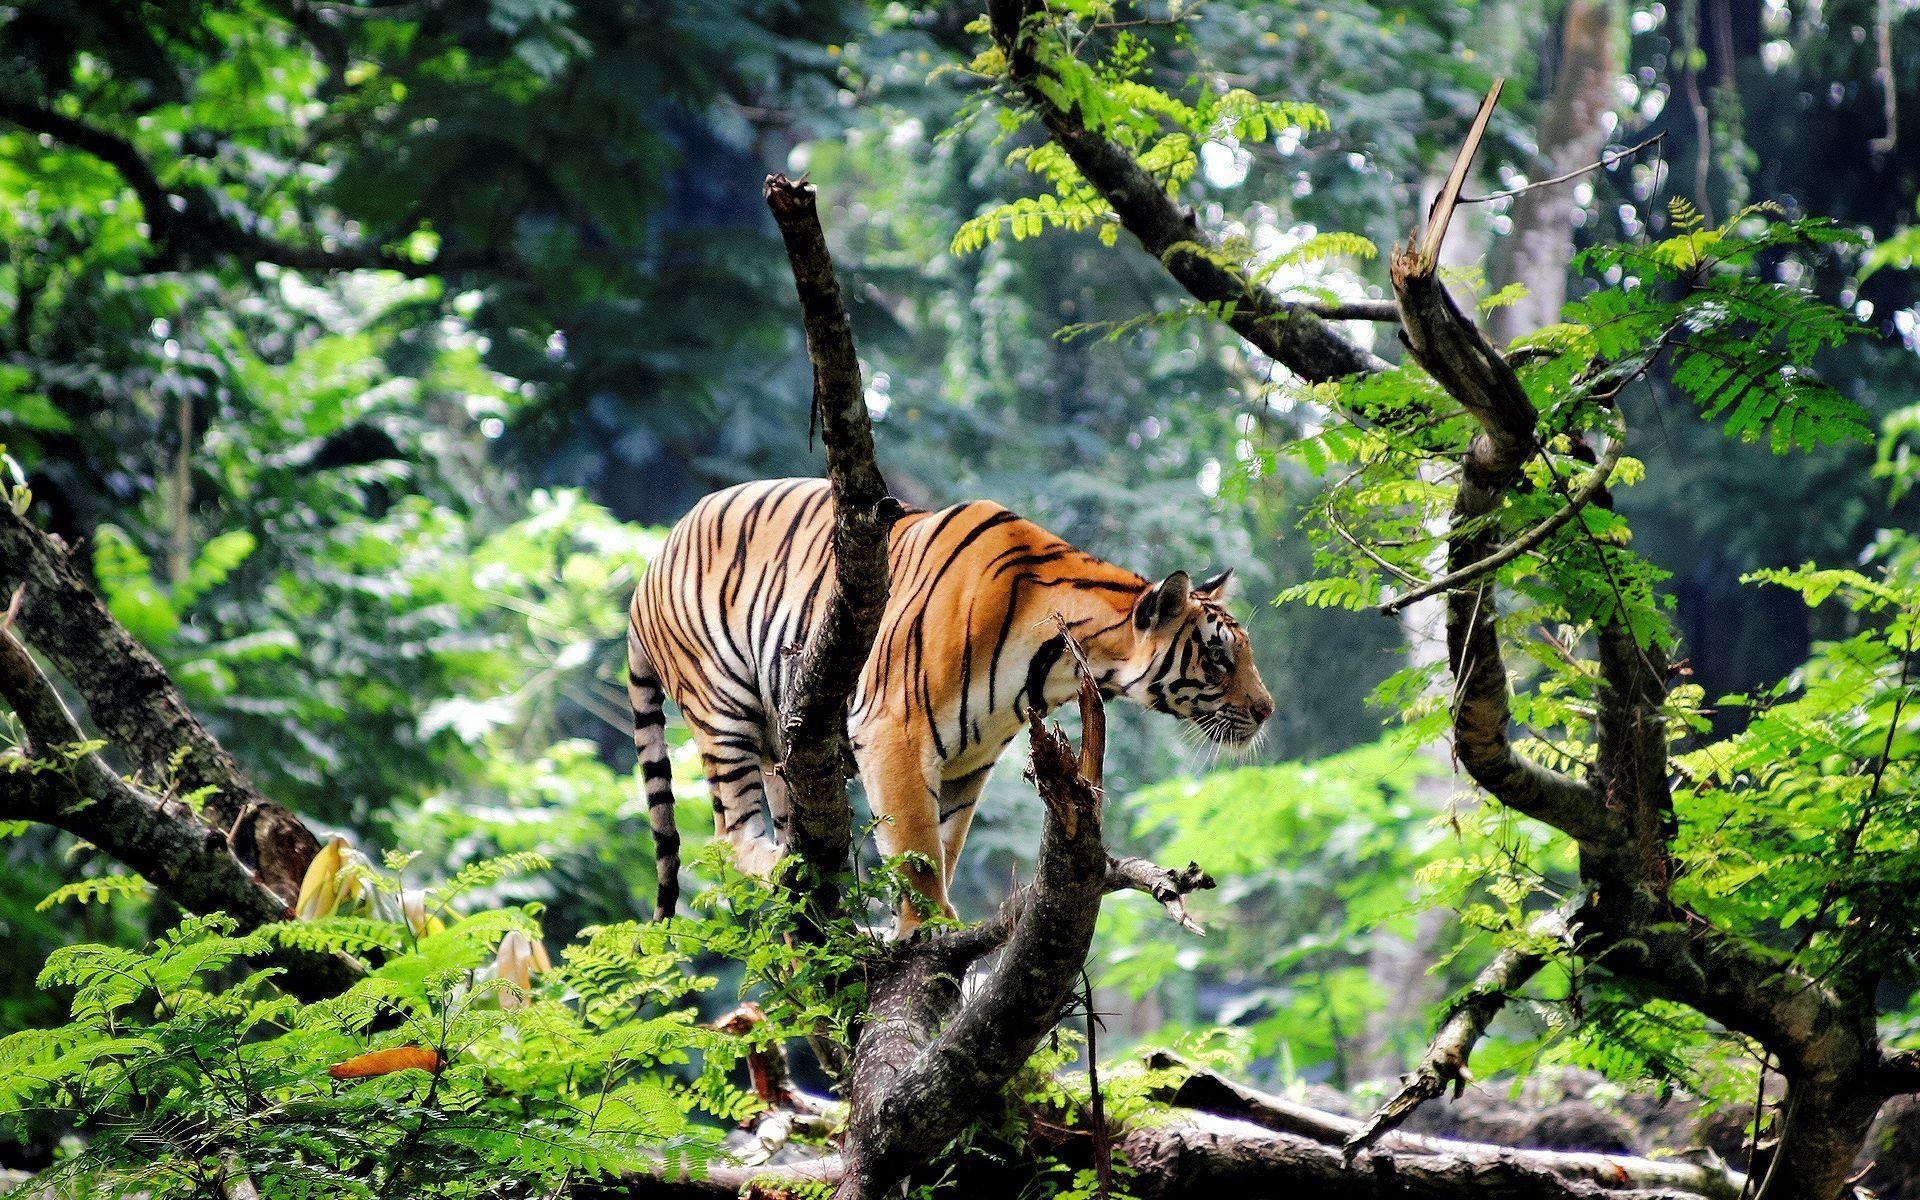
[
  {"x": 422, "y": 646},
  {"x": 1743, "y": 349},
  {"x": 1315, "y": 860},
  {"x": 1798, "y": 823},
  {"x": 1111, "y": 94},
  {"x": 95, "y": 890},
  {"x": 187, "y": 1067}
]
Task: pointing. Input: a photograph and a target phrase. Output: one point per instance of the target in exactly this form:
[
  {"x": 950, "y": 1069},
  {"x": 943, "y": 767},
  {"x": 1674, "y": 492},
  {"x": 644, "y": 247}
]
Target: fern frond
[{"x": 93, "y": 891}]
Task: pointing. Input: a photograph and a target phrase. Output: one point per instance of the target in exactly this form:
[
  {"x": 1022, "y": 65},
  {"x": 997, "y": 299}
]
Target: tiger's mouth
[{"x": 1230, "y": 727}]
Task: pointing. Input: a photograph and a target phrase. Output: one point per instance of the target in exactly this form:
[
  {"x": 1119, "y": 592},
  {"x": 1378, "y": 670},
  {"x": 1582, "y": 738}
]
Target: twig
[
  {"x": 1400, "y": 573},
  {"x": 1171, "y": 888},
  {"x": 1606, "y": 162},
  {"x": 1589, "y": 487}
]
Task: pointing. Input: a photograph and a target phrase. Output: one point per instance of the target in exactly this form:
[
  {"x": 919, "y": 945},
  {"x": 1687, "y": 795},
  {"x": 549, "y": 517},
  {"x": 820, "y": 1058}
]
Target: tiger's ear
[
  {"x": 1163, "y": 603},
  {"x": 1217, "y": 588}
]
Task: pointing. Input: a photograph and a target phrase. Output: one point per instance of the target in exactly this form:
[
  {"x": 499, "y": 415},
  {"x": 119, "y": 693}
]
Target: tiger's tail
[{"x": 656, "y": 774}]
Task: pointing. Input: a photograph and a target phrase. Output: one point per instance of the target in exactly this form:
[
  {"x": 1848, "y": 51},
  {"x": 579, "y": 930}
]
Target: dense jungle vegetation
[{"x": 360, "y": 352}]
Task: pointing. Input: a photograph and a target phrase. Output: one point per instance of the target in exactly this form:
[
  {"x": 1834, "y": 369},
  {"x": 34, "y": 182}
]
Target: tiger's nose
[{"x": 1261, "y": 708}]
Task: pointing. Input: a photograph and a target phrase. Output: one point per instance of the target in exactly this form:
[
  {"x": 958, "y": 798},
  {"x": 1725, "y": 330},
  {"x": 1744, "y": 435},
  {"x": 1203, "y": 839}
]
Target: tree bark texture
[
  {"x": 191, "y": 862},
  {"x": 917, "y": 1084},
  {"x": 818, "y": 760},
  {"x": 129, "y": 695}
]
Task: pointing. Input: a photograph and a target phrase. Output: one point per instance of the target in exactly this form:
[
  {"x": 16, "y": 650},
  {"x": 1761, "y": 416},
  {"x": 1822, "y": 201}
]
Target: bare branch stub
[
  {"x": 1441, "y": 214},
  {"x": 1170, "y": 887},
  {"x": 817, "y": 758}
]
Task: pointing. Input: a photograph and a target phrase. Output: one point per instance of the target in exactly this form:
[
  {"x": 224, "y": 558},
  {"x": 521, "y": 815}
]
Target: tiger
[{"x": 974, "y": 634}]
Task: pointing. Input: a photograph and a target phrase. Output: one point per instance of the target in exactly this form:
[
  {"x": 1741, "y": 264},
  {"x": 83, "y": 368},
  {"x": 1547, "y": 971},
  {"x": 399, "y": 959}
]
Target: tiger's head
[{"x": 1191, "y": 659}]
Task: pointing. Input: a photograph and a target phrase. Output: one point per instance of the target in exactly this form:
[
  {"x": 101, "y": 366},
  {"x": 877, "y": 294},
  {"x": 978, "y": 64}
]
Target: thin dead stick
[{"x": 1607, "y": 162}]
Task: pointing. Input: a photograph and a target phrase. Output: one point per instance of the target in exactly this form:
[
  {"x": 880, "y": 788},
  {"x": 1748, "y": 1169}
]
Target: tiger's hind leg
[
  {"x": 731, "y": 752},
  {"x": 958, "y": 800}
]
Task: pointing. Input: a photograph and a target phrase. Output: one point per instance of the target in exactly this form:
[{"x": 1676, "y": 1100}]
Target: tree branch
[
  {"x": 818, "y": 759},
  {"x": 1821, "y": 1031},
  {"x": 129, "y": 695},
  {"x": 1445, "y": 1061},
  {"x": 1386, "y": 311},
  {"x": 1208, "y": 1092},
  {"x": 1590, "y": 486},
  {"x": 188, "y": 860},
  {"x": 1457, "y": 355},
  {"x": 908, "y": 1102},
  {"x": 190, "y": 227},
  {"x": 1290, "y": 334},
  {"x": 162, "y": 208},
  {"x": 1206, "y": 1157}
]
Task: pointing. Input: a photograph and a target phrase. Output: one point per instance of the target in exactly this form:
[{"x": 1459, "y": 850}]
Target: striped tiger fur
[{"x": 966, "y": 645}]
